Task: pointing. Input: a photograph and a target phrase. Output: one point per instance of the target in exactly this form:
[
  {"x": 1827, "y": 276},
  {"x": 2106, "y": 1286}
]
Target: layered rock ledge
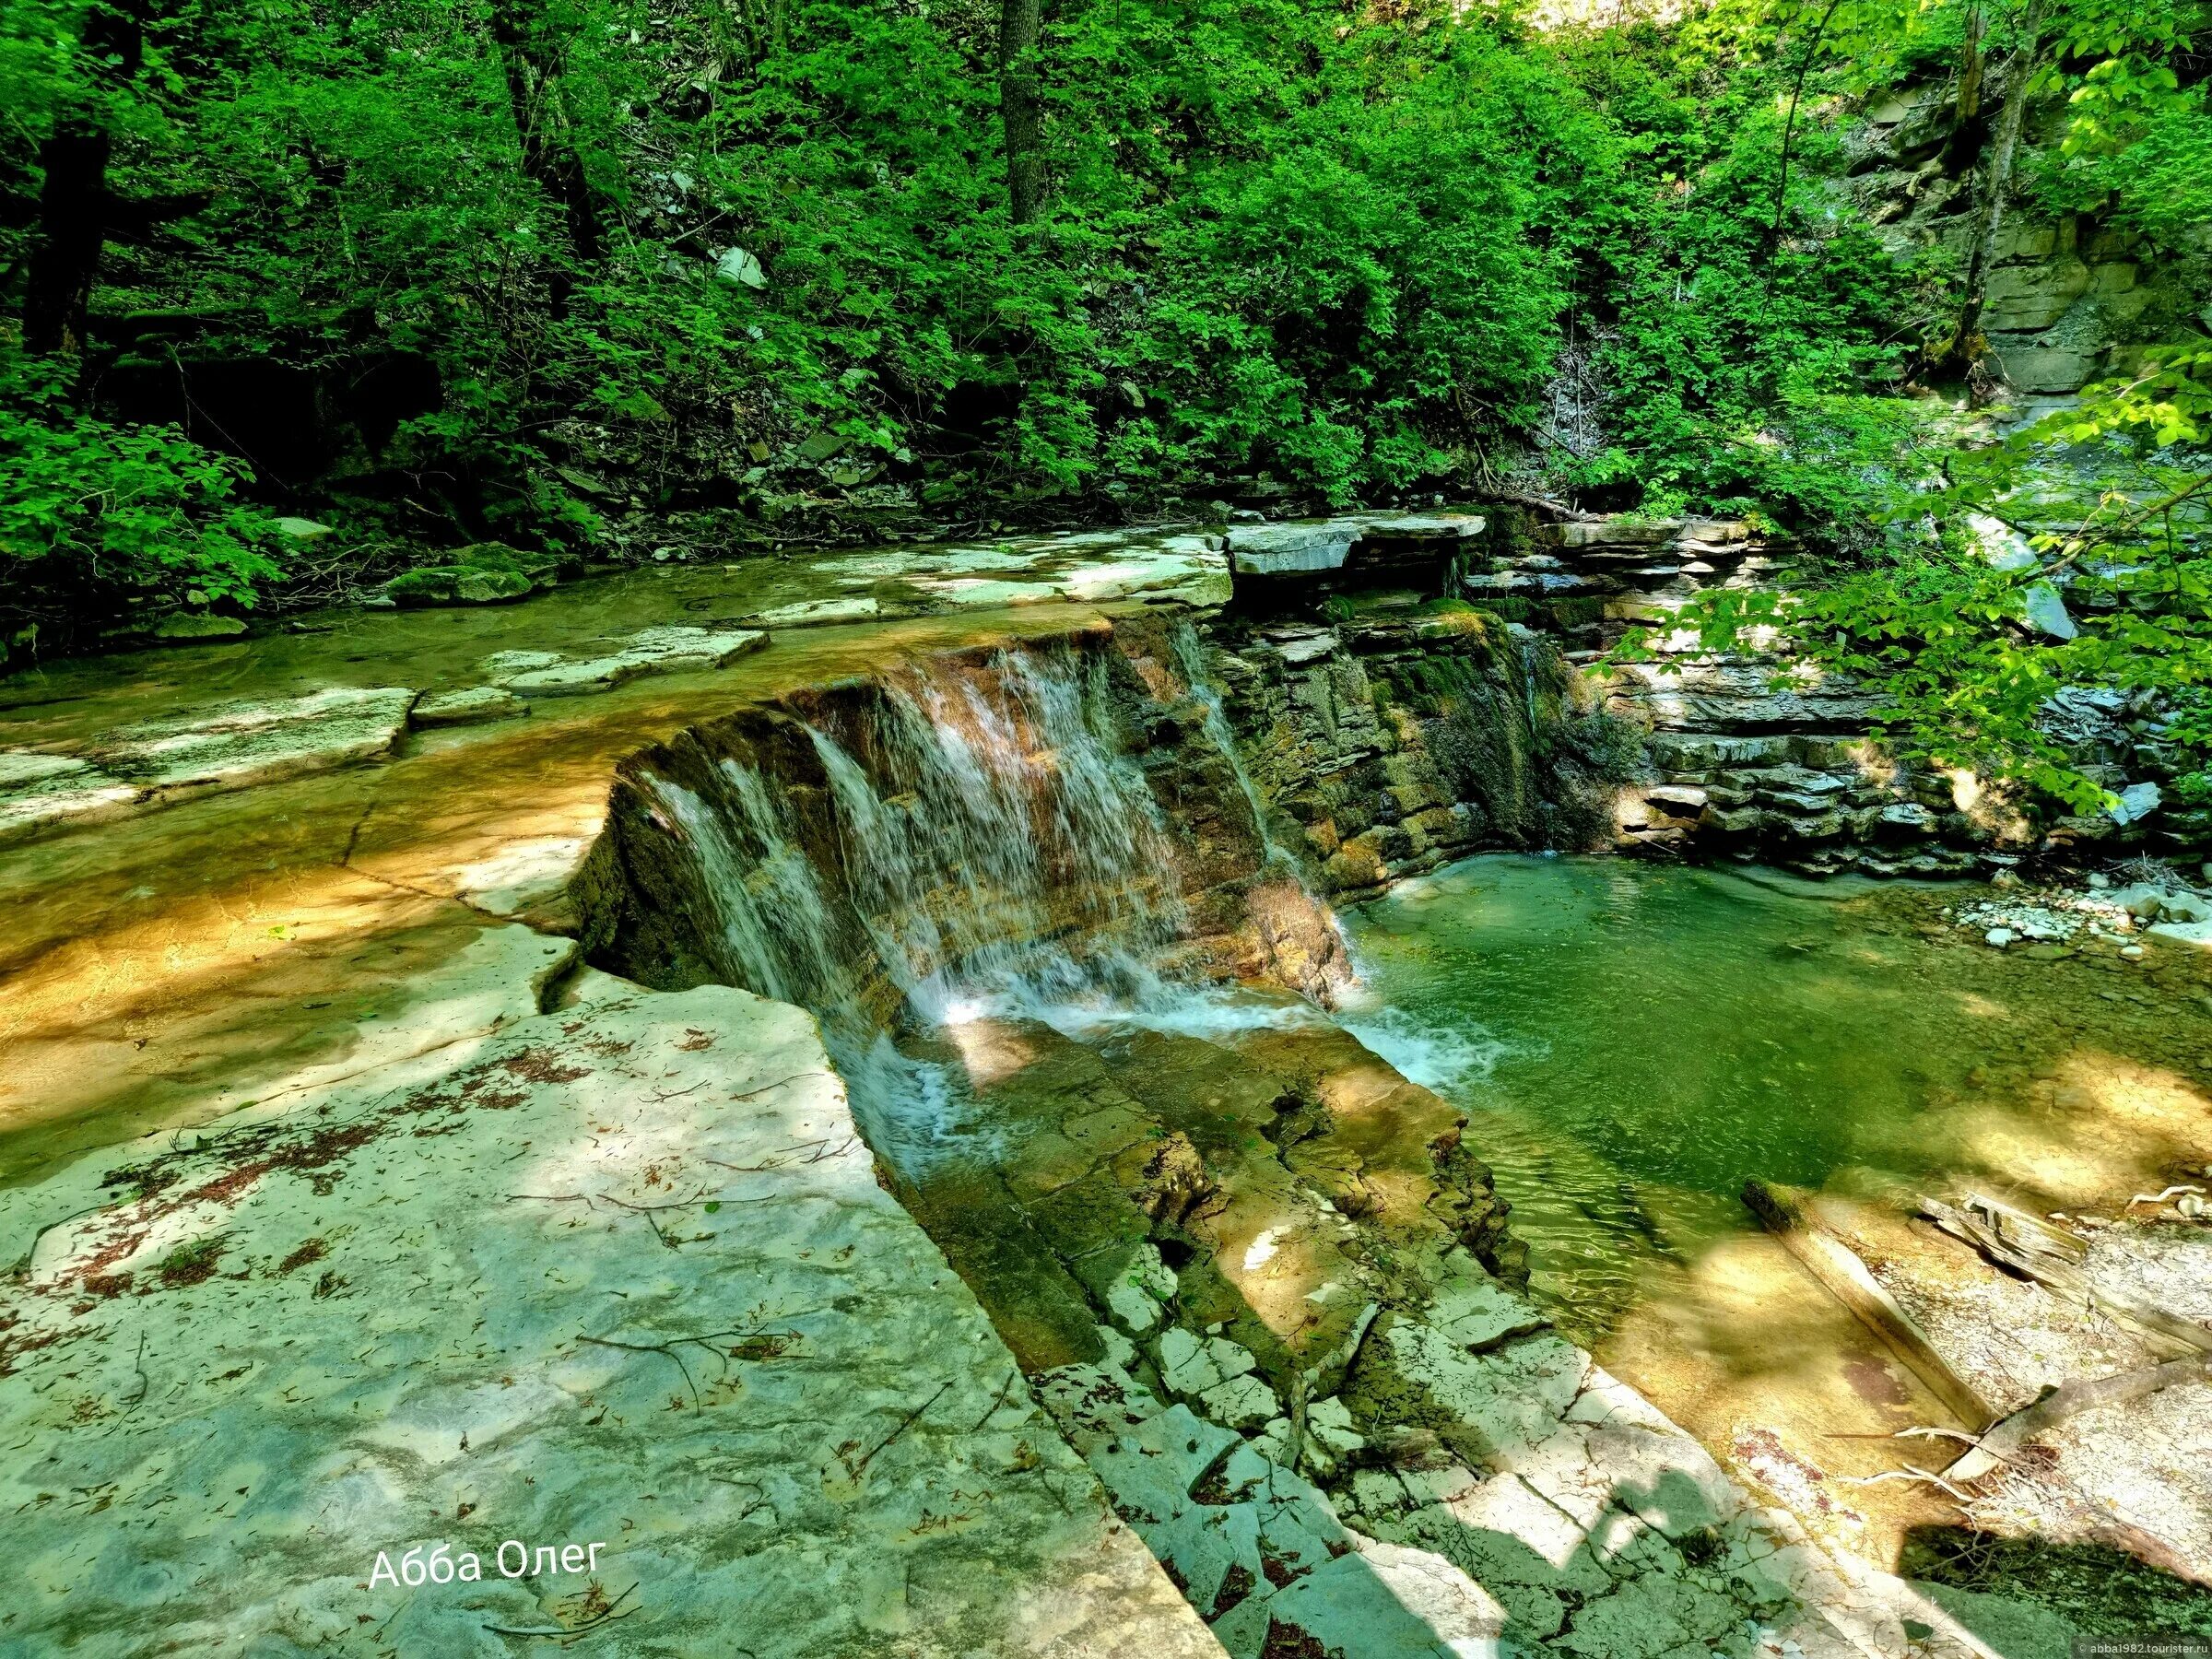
[{"x": 619, "y": 1274}]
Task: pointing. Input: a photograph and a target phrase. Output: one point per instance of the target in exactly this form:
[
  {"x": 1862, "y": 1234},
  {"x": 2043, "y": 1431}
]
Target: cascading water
[
  {"x": 995, "y": 848},
  {"x": 1190, "y": 656}
]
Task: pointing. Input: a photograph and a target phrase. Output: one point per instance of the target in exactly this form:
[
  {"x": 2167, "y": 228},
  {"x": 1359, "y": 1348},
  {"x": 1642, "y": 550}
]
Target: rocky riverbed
[{"x": 810, "y": 1084}]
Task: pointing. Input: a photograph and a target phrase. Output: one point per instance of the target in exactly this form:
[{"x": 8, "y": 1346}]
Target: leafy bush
[{"x": 99, "y": 520}]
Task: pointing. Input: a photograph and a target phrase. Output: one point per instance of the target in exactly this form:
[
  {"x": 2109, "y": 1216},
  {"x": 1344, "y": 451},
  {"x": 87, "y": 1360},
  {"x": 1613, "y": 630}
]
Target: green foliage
[
  {"x": 1342, "y": 256},
  {"x": 2120, "y": 489},
  {"x": 97, "y": 519}
]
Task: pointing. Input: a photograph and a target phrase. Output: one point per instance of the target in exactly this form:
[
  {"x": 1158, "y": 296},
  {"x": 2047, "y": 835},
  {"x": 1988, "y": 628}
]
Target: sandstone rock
[
  {"x": 1907, "y": 818},
  {"x": 1292, "y": 549},
  {"x": 468, "y": 706},
  {"x": 1418, "y": 526},
  {"x": 1135, "y": 1293},
  {"x": 1678, "y": 800},
  {"x": 1191, "y": 1366},
  {"x": 2137, "y": 802},
  {"x": 814, "y": 612},
  {"x": 2046, "y": 369},
  {"x": 39, "y": 791},
  {"x": 1476, "y": 1313},
  {"x": 505, "y": 664},
  {"x": 1702, "y": 751},
  {"x": 1618, "y": 533},
  {"x": 233, "y": 744},
  {"x": 2023, "y": 298},
  {"x": 1241, "y": 1403},
  {"x": 230, "y": 745}
]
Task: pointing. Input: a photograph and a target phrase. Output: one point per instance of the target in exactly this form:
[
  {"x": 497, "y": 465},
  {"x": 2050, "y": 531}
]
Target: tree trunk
[
  {"x": 1967, "y": 344},
  {"x": 75, "y": 204},
  {"x": 1970, "y": 64},
  {"x": 549, "y": 157},
  {"x": 1021, "y": 104},
  {"x": 65, "y": 261}
]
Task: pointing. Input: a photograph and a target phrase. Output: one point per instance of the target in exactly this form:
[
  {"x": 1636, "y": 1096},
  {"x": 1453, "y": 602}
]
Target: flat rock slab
[
  {"x": 230, "y": 745},
  {"x": 1098, "y": 566},
  {"x": 468, "y": 706},
  {"x": 653, "y": 651},
  {"x": 619, "y": 1278}
]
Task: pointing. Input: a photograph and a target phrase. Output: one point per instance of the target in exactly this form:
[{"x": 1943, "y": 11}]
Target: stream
[{"x": 1634, "y": 1042}]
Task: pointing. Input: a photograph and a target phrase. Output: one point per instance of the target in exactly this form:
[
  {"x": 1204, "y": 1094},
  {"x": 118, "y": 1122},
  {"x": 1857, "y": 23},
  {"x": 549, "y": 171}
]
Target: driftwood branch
[
  {"x": 2015, "y": 1240},
  {"x": 2003, "y": 1443}
]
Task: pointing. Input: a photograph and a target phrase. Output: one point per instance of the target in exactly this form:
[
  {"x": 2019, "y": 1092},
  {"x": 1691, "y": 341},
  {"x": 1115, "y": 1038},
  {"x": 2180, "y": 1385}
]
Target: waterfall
[
  {"x": 995, "y": 849},
  {"x": 772, "y": 921},
  {"x": 1190, "y": 656}
]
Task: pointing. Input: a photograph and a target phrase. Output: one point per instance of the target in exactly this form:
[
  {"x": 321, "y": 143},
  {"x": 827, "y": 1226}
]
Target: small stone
[
  {"x": 2046, "y": 612},
  {"x": 2137, "y": 802},
  {"x": 2000, "y": 937},
  {"x": 736, "y": 265},
  {"x": 2134, "y": 953}
]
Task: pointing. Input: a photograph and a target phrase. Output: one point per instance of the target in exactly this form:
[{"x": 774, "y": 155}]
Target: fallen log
[
  {"x": 1782, "y": 1210},
  {"x": 2013, "y": 1239}
]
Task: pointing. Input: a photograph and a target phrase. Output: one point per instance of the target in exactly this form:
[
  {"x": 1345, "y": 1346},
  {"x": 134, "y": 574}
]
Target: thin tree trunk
[
  {"x": 1789, "y": 126},
  {"x": 549, "y": 157},
  {"x": 1021, "y": 104},
  {"x": 1970, "y": 65},
  {"x": 65, "y": 261},
  {"x": 74, "y": 203},
  {"x": 1969, "y": 345}
]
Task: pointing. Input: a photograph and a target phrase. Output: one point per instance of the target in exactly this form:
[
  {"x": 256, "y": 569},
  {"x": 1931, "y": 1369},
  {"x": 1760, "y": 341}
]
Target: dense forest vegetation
[{"x": 597, "y": 278}]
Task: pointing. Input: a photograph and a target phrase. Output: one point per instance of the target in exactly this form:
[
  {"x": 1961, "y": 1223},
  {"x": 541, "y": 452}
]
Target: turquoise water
[{"x": 1635, "y": 1041}]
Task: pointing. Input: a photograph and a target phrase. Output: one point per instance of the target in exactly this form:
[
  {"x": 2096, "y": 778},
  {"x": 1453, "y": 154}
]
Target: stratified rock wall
[
  {"x": 1741, "y": 755},
  {"x": 2070, "y": 297},
  {"x": 1400, "y": 736}
]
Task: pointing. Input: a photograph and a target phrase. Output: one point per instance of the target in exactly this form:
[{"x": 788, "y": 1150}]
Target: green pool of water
[{"x": 1634, "y": 1042}]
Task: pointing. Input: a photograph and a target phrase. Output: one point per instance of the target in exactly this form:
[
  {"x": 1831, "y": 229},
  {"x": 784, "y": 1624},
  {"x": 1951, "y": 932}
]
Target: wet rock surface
[{"x": 235, "y": 746}]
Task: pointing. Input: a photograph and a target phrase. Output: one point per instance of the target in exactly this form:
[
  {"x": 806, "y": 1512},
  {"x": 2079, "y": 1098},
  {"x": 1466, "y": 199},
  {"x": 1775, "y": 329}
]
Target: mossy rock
[
  {"x": 486, "y": 573},
  {"x": 194, "y": 628}
]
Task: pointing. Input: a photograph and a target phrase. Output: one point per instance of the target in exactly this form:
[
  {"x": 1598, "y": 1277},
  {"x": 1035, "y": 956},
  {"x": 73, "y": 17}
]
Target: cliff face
[{"x": 2071, "y": 296}]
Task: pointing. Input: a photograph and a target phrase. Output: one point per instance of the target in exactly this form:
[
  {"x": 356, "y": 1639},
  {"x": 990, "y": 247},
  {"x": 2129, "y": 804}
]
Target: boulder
[
  {"x": 195, "y": 628},
  {"x": 486, "y": 573}
]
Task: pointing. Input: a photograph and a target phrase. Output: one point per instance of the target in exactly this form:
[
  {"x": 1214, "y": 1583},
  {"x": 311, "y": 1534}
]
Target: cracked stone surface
[{"x": 618, "y": 1274}]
